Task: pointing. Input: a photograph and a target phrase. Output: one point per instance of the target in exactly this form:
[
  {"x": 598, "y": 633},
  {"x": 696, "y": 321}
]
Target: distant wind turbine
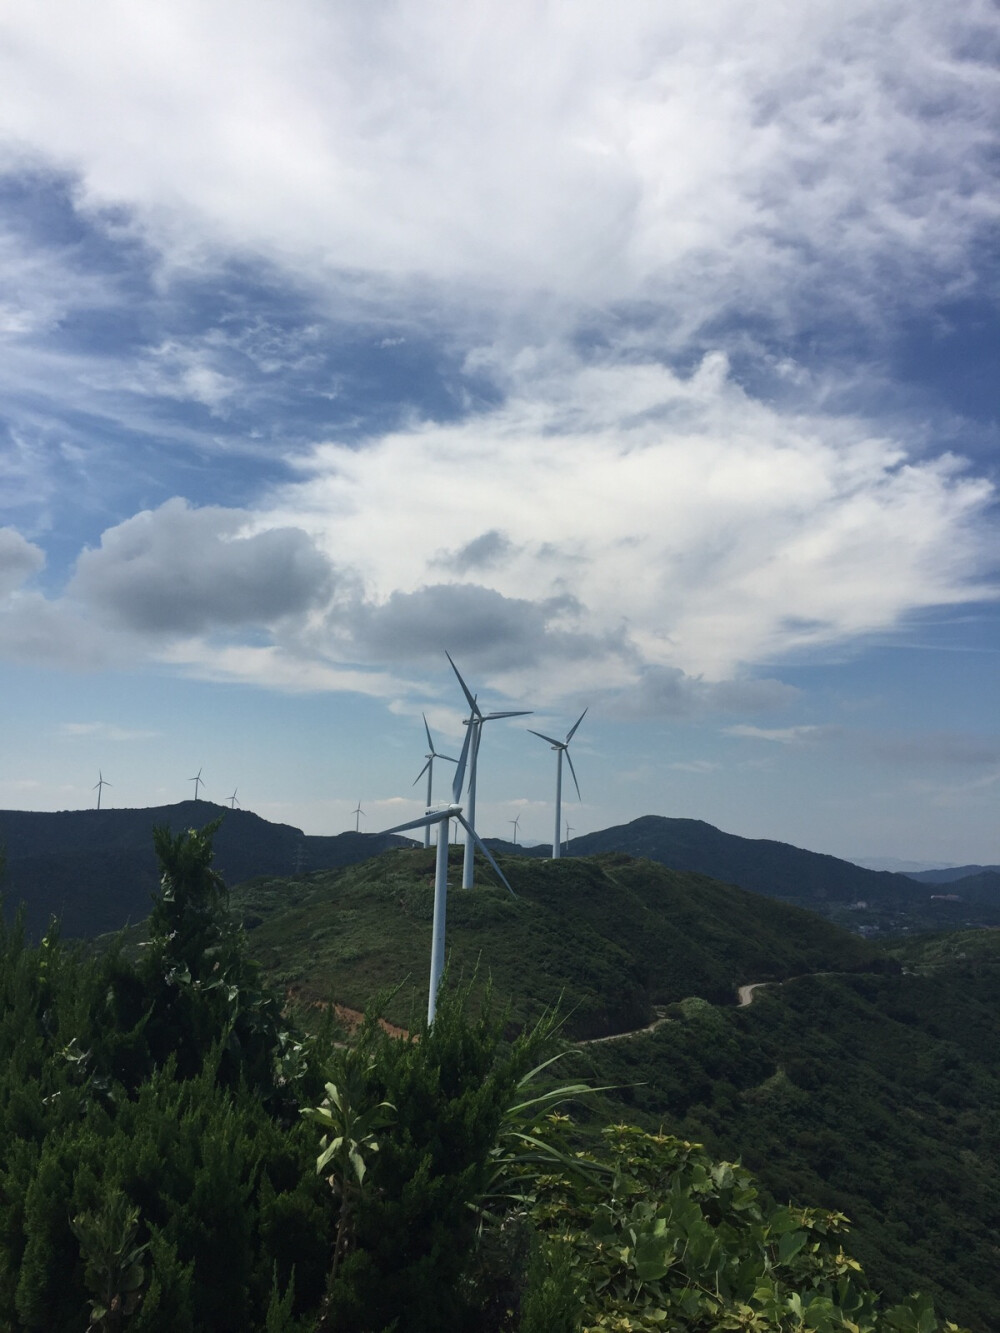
[
  {"x": 101, "y": 782},
  {"x": 197, "y": 783},
  {"x": 233, "y": 802},
  {"x": 441, "y": 818},
  {"x": 475, "y": 724},
  {"x": 428, "y": 768},
  {"x": 515, "y": 822},
  {"x": 357, "y": 812},
  {"x": 561, "y": 748},
  {"x": 569, "y": 830}
]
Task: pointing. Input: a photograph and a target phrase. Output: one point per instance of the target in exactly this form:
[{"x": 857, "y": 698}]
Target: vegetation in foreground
[{"x": 174, "y": 1157}]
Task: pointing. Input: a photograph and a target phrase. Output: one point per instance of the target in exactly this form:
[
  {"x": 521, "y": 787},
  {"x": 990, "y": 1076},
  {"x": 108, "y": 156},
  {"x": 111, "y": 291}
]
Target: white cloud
[
  {"x": 674, "y": 520},
  {"x": 106, "y": 731},
  {"x": 777, "y": 735},
  {"x": 591, "y": 154},
  {"x": 19, "y": 559},
  {"x": 180, "y": 570}
]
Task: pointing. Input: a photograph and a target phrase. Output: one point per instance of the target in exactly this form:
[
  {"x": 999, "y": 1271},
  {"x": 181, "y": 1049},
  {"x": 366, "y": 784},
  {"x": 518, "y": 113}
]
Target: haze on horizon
[{"x": 644, "y": 361}]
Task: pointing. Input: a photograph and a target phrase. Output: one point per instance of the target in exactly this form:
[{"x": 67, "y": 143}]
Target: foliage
[
  {"x": 875, "y": 1096},
  {"x": 352, "y": 1127},
  {"x": 677, "y": 1241},
  {"x": 608, "y": 937},
  {"x": 156, "y": 1174}
]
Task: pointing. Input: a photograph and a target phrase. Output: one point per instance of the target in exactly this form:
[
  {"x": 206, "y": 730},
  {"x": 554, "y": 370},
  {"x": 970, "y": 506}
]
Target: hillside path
[
  {"x": 661, "y": 1017},
  {"x": 745, "y": 993}
]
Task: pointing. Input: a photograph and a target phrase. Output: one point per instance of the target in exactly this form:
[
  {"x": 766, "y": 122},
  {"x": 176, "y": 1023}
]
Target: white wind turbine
[
  {"x": 428, "y": 768},
  {"x": 233, "y": 802},
  {"x": 99, "y": 785},
  {"x": 475, "y": 724},
  {"x": 197, "y": 783},
  {"x": 357, "y": 812},
  {"x": 441, "y": 818},
  {"x": 515, "y": 822},
  {"x": 561, "y": 748}
]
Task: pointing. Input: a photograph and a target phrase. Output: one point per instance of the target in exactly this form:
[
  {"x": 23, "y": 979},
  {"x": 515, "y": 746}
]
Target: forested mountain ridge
[
  {"x": 176, "y": 1156},
  {"x": 840, "y": 890},
  {"x": 864, "y": 1077},
  {"x": 609, "y": 936},
  {"x": 94, "y": 869}
]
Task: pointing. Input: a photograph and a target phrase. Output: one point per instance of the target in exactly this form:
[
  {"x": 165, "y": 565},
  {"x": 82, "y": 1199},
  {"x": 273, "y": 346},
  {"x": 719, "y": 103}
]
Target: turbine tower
[
  {"x": 428, "y": 768},
  {"x": 561, "y": 748},
  {"x": 101, "y": 782},
  {"x": 475, "y": 724},
  {"x": 357, "y": 812},
  {"x": 441, "y": 818},
  {"x": 197, "y": 783}
]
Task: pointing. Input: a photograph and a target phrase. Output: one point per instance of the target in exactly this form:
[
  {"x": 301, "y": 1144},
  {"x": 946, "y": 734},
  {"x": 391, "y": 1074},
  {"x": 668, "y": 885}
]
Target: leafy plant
[
  {"x": 114, "y": 1269},
  {"x": 352, "y": 1123}
]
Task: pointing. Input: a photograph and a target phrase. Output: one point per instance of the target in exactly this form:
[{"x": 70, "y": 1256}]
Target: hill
[
  {"x": 873, "y": 1095},
  {"x": 950, "y": 873},
  {"x": 611, "y": 935},
  {"x": 95, "y": 869},
  {"x": 864, "y": 1081},
  {"x": 878, "y": 900}
]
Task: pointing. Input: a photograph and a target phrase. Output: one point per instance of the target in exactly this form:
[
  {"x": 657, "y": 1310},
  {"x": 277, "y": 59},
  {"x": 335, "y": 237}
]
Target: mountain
[
  {"x": 610, "y": 935},
  {"x": 95, "y": 869},
  {"x": 983, "y": 887},
  {"x": 758, "y": 864},
  {"x": 950, "y": 873},
  {"x": 861, "y": 1079}
]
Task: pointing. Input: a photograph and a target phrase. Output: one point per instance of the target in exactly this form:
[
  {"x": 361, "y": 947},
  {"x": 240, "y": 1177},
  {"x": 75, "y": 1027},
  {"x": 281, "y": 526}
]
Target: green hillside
[
  {"x": 875, "y": 1095},
  {"x": 870, "y": 1086},
  {"x": 612, "y": 935}
]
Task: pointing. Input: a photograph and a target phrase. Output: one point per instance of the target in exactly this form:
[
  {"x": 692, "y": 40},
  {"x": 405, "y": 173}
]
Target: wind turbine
[
  {"x": 475, "y": 724},
  {"x": 515, "y": 822},
  {"x": 569, "y": 830},
  {"x": 441, "y": 818},
  {"x": 197, "y": 783},
  {"x": 357, "y": 812},
  {"x": 98, "y": 785},
  {"x": 561, "y": 748},
  {"x": 428, "y": 768},
  {"x": 233, "y": 802}
]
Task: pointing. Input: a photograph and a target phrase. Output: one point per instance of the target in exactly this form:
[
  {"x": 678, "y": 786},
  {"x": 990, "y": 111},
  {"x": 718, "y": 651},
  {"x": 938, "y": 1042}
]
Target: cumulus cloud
[
  {"x": 181, "y": 570},
  {"x": 482, "y": 552},
  {"x": 525, "y": 149},
  {"x": 702, "y": 528},
  {"x": 668, "y": 692},
  {"x": 478, "y": 622},
  {"x": 19, "y": 559}
]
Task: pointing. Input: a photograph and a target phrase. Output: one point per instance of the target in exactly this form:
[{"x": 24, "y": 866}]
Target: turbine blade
[
  {"x": 521, "y": 712},
  {"x": 573, "y": 771},
  {"x": 465, "y": 689},
  {"x": 419, "y": 823},
  {"x": 421, "y": 773},
  {"x": 572, "y": 731},
  {"x": 430, "y": 743},
  {"x": 486, "y": 852},
  {"x": 445, "y": 756},
  {"x": 459, "y": 778},
  {"x": 559, "y": 745}
]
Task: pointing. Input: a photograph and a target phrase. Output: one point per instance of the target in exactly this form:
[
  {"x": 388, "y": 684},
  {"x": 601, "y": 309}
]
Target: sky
[{"x": 642, "y": 357}]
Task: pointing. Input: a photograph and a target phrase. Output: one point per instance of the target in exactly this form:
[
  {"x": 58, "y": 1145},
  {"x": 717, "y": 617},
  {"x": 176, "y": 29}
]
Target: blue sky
[{"x": 645, "y": 361}]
